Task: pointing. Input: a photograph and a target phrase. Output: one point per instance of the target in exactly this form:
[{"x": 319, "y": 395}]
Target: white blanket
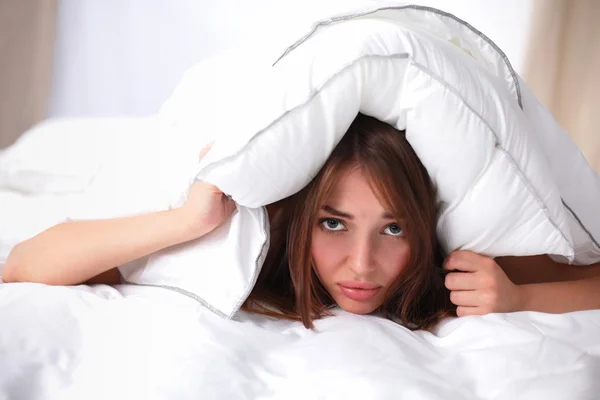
[
  {"x": 135, "y": 342},
  {"x": 502, "y": 167},
  {"x": 128, "y": 343}
]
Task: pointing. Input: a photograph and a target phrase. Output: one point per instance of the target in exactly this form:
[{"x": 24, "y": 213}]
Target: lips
[{"x": 359, "y": 291}]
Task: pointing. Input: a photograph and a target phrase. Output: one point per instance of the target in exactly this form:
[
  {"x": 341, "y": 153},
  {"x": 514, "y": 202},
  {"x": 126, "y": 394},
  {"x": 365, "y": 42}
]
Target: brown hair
[{"x": 288, "y": 286}]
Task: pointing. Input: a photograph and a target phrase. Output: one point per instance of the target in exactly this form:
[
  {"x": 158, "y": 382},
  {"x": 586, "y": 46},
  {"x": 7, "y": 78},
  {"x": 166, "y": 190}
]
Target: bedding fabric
[
  {"x": 502, "y": 166},
  {"x": 164, "y": 337},
  {"x": 73, "y": 169},
  {"x": 66, "y": 155},
  {"x": 129, "y": 343}
]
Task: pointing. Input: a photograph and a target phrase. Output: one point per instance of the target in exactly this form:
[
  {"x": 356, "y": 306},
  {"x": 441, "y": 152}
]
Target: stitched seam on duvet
[
  {"x": 316, "y": 92},
  {"x": 257, "y": 267},
  {"x": 185, "y": 293},
  {"x": 306, "y": 102},
  {"x": 516, "y": 167},
  {"x": 421, "y": 8},
  {"x": 592, "y": 238},
  {"x": 205, "y": 303}
]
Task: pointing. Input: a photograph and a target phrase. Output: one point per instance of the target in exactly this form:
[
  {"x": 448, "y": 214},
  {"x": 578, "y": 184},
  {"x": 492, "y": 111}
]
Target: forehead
[{"x": 352, "y": 192}]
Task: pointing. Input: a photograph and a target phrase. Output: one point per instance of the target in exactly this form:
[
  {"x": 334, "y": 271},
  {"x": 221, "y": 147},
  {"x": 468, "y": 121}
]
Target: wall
[
  {"x": 126, "y": 56},
  {"x": 27, "y": 30}
]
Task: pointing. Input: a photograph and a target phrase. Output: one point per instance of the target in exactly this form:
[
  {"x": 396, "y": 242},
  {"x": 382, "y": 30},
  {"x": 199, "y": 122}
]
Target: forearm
[
  {"x": 539, "y": 269},
  {"x": 562, "y": 297},
  {"x": 73, "y": 252}
]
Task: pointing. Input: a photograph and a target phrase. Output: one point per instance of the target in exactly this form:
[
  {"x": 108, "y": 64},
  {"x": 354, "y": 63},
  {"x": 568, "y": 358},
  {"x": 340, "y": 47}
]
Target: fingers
[
  {"x": 470, "y": 302},
  {"x": 466, "y": 261},
  {"x": 207, "y": 186},
  {"x": 465, "y": 298},
  {"x": 461, "y": 261},
  {"x": 462, "y": 281},
  {"x": 205, "y": 150},
  {"x": 229, "y": 205},
  {"x": 472, "y": 283}
]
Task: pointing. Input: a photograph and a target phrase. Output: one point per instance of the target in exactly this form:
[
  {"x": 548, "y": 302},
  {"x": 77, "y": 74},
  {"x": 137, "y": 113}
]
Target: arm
[
  {"x": 73, "y": 252},
  {"x": 561, "y": 297},
  {"x": 547, "y": 286},
  {"x": 480, "y": 285}
]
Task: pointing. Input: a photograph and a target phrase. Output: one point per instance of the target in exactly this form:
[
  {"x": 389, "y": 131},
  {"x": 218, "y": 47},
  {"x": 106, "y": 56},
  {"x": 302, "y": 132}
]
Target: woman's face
[{"x": 358, "y": 248}]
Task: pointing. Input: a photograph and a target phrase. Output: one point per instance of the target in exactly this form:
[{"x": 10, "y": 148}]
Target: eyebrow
[{"x": 342, "y": 214}]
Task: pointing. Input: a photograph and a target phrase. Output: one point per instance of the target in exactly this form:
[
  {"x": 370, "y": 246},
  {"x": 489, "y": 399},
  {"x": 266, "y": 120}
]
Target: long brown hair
[{"x": 288, "y": 286}]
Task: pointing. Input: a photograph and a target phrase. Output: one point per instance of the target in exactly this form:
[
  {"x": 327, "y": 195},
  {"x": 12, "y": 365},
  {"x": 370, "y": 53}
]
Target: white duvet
[
  {"x": 129, "y": 343},
  {"x": 133, "y": 342}
]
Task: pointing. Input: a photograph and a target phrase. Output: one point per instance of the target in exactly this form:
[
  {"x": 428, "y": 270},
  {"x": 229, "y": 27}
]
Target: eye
[
  {"x": 393, "y": 230},
  {"x": 332, "y": 224}
]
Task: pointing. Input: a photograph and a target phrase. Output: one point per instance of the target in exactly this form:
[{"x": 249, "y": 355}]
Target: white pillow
[
  {"x": 47, "y": 159},
  {"x": 276, "y": 121},
  {"x": 65, "y": 155}
]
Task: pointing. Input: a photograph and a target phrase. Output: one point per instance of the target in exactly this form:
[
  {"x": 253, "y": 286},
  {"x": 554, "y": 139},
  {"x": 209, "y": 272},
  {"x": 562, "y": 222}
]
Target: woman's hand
[
  {"x": 479, "y": 286},
  {"x": 206, "y": 207}
]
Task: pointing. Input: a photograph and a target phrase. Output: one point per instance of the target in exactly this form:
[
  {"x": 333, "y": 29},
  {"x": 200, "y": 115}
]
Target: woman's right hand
[{"x": 206, "y": 207}]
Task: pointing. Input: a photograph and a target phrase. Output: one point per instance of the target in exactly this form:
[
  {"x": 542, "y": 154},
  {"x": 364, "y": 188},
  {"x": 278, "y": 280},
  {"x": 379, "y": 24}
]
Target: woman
[{"x": 360, "y": 236}]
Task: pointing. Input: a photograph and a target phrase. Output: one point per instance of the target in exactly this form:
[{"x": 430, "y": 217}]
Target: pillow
[
  {"x": 43, "y": 161},
  {"x": 65, "y": 155},
  {"x": 277, "y": 118}
]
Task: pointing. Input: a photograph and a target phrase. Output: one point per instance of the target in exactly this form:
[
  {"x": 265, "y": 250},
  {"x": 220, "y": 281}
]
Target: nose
[{"x": 361, "y": 257}]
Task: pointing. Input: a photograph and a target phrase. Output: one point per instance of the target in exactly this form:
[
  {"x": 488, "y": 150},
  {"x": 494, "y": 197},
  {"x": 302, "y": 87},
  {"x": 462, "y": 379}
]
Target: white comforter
[{"x": 148, "y": 343}]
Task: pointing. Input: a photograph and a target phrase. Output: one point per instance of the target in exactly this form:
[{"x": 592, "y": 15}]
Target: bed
[
  {"x": 147, "y": 341},
  {"x": 128, "y": 341},
  {"x": 122, "y": 343}
]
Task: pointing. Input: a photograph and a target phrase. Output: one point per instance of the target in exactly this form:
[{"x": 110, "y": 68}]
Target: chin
[{"x": 356, "y": 307}]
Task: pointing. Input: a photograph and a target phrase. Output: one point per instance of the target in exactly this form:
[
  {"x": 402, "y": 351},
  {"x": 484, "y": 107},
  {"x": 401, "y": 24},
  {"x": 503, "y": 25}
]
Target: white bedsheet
[{"x": 132, "y": 342}]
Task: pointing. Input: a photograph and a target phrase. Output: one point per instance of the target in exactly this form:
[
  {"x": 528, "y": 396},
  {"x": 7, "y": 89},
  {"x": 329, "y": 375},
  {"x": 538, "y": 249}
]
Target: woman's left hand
[{"x": 479, "y": 286}]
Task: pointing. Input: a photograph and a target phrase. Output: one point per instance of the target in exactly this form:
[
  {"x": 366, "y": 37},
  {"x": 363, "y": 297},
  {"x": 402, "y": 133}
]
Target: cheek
[
  {"x": 393, "y": 258},
  {"x": 327, "y": 252}
]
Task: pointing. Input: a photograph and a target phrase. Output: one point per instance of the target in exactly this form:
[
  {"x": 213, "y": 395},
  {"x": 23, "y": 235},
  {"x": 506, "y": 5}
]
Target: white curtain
[{"x": 126, "y": 56}]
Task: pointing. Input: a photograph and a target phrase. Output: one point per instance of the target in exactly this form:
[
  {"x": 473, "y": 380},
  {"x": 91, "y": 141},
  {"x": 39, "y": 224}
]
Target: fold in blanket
[{"x": 472, "y": 121}]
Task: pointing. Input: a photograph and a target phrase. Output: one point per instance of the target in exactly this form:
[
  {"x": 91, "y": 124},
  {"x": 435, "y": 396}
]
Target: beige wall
[{"x": 27, "y": 31}]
